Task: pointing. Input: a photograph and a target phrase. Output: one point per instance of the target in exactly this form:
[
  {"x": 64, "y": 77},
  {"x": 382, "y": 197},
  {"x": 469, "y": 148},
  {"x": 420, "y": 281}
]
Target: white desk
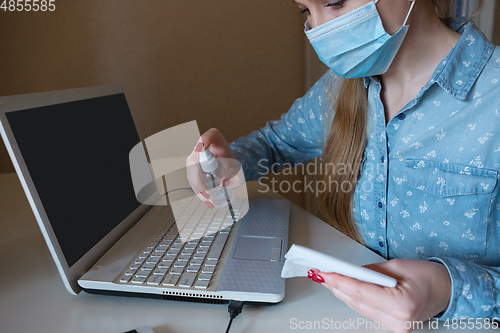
[{"x": 33, "y": 297}]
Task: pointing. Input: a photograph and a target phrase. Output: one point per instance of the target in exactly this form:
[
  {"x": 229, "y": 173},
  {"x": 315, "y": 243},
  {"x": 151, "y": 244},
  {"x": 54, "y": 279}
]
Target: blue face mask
[{"x": 356, "y": 44}]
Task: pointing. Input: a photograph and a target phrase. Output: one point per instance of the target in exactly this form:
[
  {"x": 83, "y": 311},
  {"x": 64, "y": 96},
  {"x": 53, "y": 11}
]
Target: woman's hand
[
  {"x": 219, "y": 147},
  {"x": 423, "y": 291}
]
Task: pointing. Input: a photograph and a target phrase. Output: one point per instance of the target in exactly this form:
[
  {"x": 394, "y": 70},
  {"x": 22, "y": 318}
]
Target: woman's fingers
[
  {"x": 234, "y": 173},
  {"x": 370, "y": 294},
  {"x": 384, "y": 319},
  {"x": 193, "y": 174},
  {"x": 215, "y": 141}
]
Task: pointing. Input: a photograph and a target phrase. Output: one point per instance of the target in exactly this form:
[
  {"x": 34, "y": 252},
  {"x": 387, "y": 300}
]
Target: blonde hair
[{"x": 346, "y": 143}]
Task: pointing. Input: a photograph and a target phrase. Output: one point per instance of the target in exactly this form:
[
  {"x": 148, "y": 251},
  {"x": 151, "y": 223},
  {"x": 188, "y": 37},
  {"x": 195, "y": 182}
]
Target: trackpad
[{"x": 258, "y": 248}]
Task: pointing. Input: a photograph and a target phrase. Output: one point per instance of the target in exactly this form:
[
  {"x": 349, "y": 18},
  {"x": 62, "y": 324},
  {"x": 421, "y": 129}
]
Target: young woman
[{"x": 417, "y": 105}]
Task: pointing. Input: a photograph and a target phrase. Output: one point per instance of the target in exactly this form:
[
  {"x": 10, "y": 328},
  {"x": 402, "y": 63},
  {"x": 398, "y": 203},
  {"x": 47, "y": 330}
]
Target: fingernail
[
  {"x": 205, "y": 194},
  {"x": 316, "y": 277},
  {"x": 209, "y": 204},
  {"x": 225, "y": 182},
  {"x": 199, "y": 147}
]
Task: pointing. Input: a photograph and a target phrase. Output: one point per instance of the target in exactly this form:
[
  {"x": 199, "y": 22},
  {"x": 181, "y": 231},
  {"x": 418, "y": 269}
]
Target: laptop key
[
  {"x": 199, "y": 256},
  {"x": 180, "y": 264},
  {"x": 192, "y": 269},
  {"x": 187, "y": 252},
  {"x": 154, "y": 279},
  {"x": 139, "y": 261},
  {"x": 135, "y": 266},
  {"x": 201, "y": 284},
  {"x": 147, "y": 267},
  {"x": 152, "y": 261},
  {"x": 172, "y": 252},
  {"x": 196, "y": 262},
  {"x": 211, "y": 262},
  {"x": 165, "y": 264},
  {"x": 161, "y": 249},
  {"x": 205, "y": 276},
  {"x": 217, "y": 246},
  {"x": 208, "y": 269},
  {"x": 143, "y": 274},
  {"x": 160, "y": 271},
  {"x": 125, "y": 278},
  {"x": 138, "y": 280},
  {"x": 187, "y": 280},
  {"x": 220, "y": 215},
  {"x": 130, "y": 272},
  {"x": 170, "y": 280},
  {"x": 176, "y": 270},
  {"x": 148, "y": 250}
]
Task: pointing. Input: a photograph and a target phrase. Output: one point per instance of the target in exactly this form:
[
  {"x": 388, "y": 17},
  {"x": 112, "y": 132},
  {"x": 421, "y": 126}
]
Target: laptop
[{"x": 71, "y": 150}]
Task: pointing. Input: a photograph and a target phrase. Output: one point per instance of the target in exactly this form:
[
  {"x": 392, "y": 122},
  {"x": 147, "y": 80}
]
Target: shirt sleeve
[
  {"x": 474, "y": 289},
  {"x": 298, "y": 137}
]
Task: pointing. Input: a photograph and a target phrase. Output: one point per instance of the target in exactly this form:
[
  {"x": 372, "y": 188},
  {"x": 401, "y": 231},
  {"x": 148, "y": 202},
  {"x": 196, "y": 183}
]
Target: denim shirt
[{"x": 428, "y": 187}]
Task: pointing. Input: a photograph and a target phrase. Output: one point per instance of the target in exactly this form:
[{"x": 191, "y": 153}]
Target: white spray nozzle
[{"x": 208, "y": 161}]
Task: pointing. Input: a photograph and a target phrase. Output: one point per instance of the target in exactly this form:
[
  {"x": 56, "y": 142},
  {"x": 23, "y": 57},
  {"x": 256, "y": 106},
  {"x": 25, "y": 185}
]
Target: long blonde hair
[{"x": 346, "y": 143}]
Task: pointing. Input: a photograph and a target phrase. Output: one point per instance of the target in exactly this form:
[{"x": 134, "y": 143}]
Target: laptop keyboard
[{"x": 184, "y": 254}]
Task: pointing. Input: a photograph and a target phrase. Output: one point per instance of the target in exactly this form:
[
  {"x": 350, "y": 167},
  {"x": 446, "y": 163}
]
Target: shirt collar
[{"x": 459, "y": 70}]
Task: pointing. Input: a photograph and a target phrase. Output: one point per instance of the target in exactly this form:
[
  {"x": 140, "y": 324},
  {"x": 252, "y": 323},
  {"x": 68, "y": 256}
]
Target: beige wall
[
  {"x": 496, "y": 29},
  {"x": 228, "y": 64}
]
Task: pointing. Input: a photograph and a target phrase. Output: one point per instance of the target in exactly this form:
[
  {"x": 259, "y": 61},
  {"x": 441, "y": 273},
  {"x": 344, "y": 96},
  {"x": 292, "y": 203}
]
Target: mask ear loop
[{"x": 409, "y": 12}]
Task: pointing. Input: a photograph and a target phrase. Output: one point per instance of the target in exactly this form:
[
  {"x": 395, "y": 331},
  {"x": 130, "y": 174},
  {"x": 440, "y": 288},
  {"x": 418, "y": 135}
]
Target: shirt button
[
  {"x": 381, "y": 244},
  {"x": 401, "y": 116},
  {"x": 379, "y": 204},
  {"x": 382, "y": 159}
]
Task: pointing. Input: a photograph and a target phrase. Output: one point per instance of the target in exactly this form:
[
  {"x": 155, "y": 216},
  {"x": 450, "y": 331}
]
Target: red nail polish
[
  {"x": 198, "y": 147},
  {"x": 310, "y": 273},
  {"x": 209, "y": 204},
  {"x": 205, "y": 194},
  {"x": 317, "y": 278}
]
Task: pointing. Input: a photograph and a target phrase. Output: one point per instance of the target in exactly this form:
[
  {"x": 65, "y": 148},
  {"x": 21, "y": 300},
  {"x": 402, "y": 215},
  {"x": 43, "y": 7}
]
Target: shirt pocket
[{"x": 446, "y": 209}]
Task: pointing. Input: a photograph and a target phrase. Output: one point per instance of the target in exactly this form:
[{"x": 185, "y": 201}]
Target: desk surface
[{"x": 33, "y": 297}]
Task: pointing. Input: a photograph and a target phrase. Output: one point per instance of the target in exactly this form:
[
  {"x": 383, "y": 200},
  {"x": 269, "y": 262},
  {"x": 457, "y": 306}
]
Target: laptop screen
[{"x": 77, "y": 154}]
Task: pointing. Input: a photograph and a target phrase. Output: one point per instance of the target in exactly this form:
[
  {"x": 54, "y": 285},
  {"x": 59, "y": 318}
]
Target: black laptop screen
[{"x": 77, "y": 154}]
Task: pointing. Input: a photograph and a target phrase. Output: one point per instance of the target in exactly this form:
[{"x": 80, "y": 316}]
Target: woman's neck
[{"x": 428, "y": 41}]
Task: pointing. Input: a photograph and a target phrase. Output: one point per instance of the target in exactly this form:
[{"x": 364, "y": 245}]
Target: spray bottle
[{"x": 211, "y": 172}]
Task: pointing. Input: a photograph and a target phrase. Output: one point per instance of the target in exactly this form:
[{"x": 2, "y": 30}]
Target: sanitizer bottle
[{"x": 211, "y": 172}]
